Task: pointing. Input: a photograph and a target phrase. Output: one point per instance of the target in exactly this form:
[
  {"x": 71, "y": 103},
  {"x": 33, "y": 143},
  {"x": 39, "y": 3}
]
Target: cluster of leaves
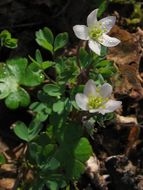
[
  {"x": 57, "y": 149},
  {"x": 6, "y": 40},
  {"x": 136, "y": 16},
  {"x": 13, "y": 75}
]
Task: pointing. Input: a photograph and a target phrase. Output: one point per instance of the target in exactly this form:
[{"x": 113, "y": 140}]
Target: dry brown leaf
[
  {"x": 127, "y": 56},
  {"x": 92, "y": 166},
  {"x": 7, "y": 183},
  {"x": 133, "y": 139},
  {"x": 129, "y": 50},
  {"x": 93, "y": 171},
  {"x": 126, "y": 120}
]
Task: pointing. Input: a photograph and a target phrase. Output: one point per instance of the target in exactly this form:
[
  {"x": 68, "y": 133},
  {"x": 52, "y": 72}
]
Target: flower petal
[
  {"x": 106, "y": 90},
  {"x": 107, "y": 23},
  {"x": 90, "y": 88},
  {"x": 92, "y": 18},
  {"x": 108, "y": 41},
  {"x": 112, "y": 105},
  {"x": 81, "y": 32},
  {"x": 99, "y": 110},
  {"x": 93, "y": 110},
  {"x": 94, "y": 46},
  {"x": 81, "y": 101}
]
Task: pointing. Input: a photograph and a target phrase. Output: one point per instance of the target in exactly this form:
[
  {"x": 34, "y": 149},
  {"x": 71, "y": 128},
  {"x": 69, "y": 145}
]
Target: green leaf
[
  {"x": 17, "y": 68},
  {"x": 52, "y": 90},
  {"x": 38, "y": 56},
  {"x": 14, "y": 74},
  {"x": 33, "y": 76},
  {"x": 67, "y": 70},
  {"x": 107, "y": 71},
  {"x": 48, "y": 163},
  {"x": 60, "y": 41},
  {"x": 104, "y": 63},
  {"x": 53, "y": 164},
  {"x": 56, "y": 181},
  {"x": 41, "y": 110},
  {"x": 58, "y": 107},
  {"x": 34, "y": 129},
  {"x": 47, "y": 64},
  {"x": 17, "y": 98},
  {"x": 103, "y": 51},
  {"x": 6, "y": 39},
  {"x": 45, "y": 39},
  {"x": 21, "y": 131},
  {"x": 4, "y": 91},
  {"x": 85, "y": 59},
  {"x": 77, "y": 149},
  {"x": 52, "y": 185},
  {"x": 2, "y": 159},
  {"x": 10, "y": 43},
  {"x": 34, "y": 150},
  {"x": 82, "y": 150},
  {"x": 102, "y": 8}
]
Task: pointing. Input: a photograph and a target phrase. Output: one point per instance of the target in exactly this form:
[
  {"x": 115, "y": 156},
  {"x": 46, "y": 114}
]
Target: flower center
[
  {"x": 96, "y": 31},
  {"x": 96, "y": 102}
]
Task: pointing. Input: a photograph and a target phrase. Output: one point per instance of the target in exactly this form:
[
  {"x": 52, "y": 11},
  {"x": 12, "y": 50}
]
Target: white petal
[
  {"x": 112, "y": 105},
  {"x": 106, "y": 90},
  {"x": 108, "y": 41},
  {"x": 93, "y": 110},
  {"x": 81, "y": 32},
  {"x": 107, "y": 23},
  {"x": 90, "y": 88},
  {"x": 94, "y": 46},
  {"x": 81, "y": 101},
  {"x": 92, "y": 18},
  {"x": 99, "y": 110}
]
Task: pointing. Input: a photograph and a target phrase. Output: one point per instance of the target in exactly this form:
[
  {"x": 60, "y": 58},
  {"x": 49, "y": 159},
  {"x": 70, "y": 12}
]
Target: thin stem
[{"x": 77, "y": 57}]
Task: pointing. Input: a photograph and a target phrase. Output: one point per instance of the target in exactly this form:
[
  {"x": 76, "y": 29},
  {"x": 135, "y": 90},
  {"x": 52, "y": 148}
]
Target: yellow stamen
[
  {"x": 96, "y": 31},
  {"x": 96, "y": 102}
]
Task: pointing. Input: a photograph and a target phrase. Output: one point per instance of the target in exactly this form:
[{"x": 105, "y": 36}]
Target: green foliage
[
  {"x": 52, "y": 90},
  {"x": 51, "y": 159},
  {"x": 41, "y": 110},
  {"x": 2, "y": 159},
  {"x": 60, "y": 41},
  {"x": 6, "y": 40},
  {"x": 102, "y": 7},
  {"x": 57, "y": 149},
  {"x": 136, "y": 16},
  {"x": 21, "y": 131},
  {"x": 46, "y": 40},
  {"x": 59, "y": 106},
  {"x": 38, "y": 61},
  {"x": 27, "y": 133},
  {"x": 84, "y": 58},
  {"x": 15, "y": 74},
  {"x": 67, "y": 70},
  {"x": 102, "y": 70}
]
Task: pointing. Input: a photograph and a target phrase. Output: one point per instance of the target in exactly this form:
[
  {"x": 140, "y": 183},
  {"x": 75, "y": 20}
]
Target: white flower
[
  {"x": 96, "y": 32},
  {"x": 95, "y": 99}
]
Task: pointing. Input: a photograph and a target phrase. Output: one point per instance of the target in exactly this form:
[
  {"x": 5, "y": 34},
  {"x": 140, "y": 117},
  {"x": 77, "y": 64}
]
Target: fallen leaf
[{"x": 7, "y": 183}]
